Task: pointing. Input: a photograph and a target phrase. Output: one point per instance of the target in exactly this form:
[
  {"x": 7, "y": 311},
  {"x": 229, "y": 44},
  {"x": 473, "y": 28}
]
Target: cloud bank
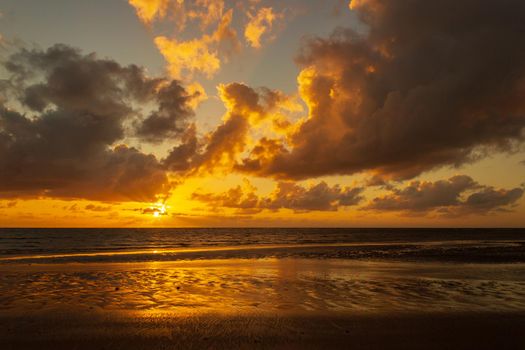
[
  {"x": 459, "y": 195},
  {"x": 286, "y": 195},
  {"x": 431, "y": 83},
  {"x": 63, "y": 117}
]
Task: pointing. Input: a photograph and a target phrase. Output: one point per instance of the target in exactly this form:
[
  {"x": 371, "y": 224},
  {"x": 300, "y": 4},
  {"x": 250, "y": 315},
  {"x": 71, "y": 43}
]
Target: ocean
[{"x": 125, "y": 244}]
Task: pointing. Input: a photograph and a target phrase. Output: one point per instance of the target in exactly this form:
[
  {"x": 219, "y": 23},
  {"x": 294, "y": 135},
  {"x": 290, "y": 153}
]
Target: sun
[{"x": 159, "y": 209}]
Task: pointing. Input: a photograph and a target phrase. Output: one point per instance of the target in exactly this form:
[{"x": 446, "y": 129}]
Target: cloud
[
  {"x": 286, "y": 195},
  {"x": 207, "y": 12},
  {"x": 207, "y": 26},
  {"x": 204, "y": 12},
  {"x": 459, "y": 195},
  {"x": 191, "y": 56},
  {"x": 170, "y": 118},
  {"x": 149, "y": 10},
  {"x": 429, "y": 84},
  {"x": 260, "y": 24},
  {"x": 247, "y": 110},
  {"x": 98, "y": 208},
  {"x": 64, "y": 118},
  {"x": 156, "y": 211},
  {"x": 242, "y": 198},
  {"x": 202, "y": 54},
  {"x": 489, "y": 199},
  {"x": 226, "y": 36},
  {"x": 199, "y": 55},
  {"x": 181, "y": 157},
  {"x": 319, "y": 197}
]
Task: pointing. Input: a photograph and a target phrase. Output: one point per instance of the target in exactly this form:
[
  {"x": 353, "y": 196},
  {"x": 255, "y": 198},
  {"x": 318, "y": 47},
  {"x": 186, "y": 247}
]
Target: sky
[{"x": 174, "y": 113}]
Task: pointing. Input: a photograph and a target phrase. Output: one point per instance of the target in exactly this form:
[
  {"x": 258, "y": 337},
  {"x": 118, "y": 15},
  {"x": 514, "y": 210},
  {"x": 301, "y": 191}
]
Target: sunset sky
[{"x": 149, "y": 113}]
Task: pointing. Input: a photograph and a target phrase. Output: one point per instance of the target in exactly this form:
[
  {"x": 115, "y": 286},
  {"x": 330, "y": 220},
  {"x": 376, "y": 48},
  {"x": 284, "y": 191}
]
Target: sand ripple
[{"x": 264, "y": 285}]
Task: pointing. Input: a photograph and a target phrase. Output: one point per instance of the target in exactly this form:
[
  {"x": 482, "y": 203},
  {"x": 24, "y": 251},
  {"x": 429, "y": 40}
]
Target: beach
[
  {"x": 332, "y": 290},
  {"x": 439, "y": 331},
  {"x": 262, "y": 174}
]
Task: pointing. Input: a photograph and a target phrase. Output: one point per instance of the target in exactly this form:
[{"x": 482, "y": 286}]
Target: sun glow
[{"x": 158, "y": 210}]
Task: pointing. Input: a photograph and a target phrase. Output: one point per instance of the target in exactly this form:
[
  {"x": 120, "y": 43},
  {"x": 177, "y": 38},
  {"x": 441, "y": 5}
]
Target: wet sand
[
  {"x": 233, "y": 286},
  {"x": 283, "y": 303},
  {"x": 378, "y": 331}
]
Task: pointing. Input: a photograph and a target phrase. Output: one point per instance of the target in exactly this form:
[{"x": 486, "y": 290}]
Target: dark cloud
[
  {"x": 431, "y": 83},
  {"x": 157, "y": 211},
  {"x": 170, "y": 119},
  {"x": 63, "y": 141},
  {"x": 224, "y": 143},
  {"x": 286, "y": 195},
  {"x": 490, "y": 199},
  {"x": 98, "y": 208},
  {"x": 318, "y": 197},
  {"x": 457, "y": 195},
  {"x": 181, "y": 157}
]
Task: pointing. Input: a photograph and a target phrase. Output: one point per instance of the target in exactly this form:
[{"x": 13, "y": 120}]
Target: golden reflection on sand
[{"x": 261, "y": 286}]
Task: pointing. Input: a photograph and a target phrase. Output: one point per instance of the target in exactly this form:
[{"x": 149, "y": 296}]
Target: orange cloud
[
  {"x": 149, "y": 10},
  {"x": 192, "y": 56},
  {"x": 201, "y": 55},
  {"x": 248, "y": 112},
  {"x": 260, "y": 24},
  {"x": 353, "y": 4},
  {"x": 205, "y": 52},
  {"x": 206, "y": 12}
]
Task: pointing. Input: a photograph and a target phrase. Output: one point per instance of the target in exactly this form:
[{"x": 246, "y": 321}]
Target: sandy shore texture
[
  {"x": 379, "y": 331},
  {"x": 270, "y": 303}
]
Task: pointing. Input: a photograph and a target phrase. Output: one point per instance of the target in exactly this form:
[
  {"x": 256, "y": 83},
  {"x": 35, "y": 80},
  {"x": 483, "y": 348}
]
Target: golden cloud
[
  {"x": 260, "y": 24},
  {"x": 192, "y": 56},
  {"x": 149, "y": 10},
  {"x": 205, "y": 52}
]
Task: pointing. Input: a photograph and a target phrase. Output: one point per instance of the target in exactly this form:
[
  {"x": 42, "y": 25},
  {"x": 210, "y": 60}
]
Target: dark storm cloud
[
  {"x": 63, "y": 141},
  {"x": 458, "y": 195},
  {"x": 432, "y": 83},
  {"x": 286, "y": 195}
]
